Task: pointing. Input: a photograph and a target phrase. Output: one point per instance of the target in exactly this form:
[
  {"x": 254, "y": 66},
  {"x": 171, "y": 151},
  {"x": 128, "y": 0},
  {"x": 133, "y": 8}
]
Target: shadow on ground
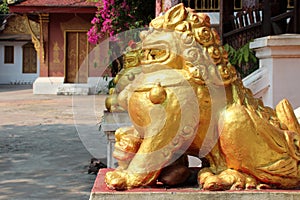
[
  {"x": 43, "y": 162},
  {"x": 7, "y": 88}
]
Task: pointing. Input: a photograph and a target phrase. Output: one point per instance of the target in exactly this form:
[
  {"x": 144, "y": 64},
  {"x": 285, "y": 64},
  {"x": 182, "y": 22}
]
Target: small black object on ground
[{"x": 95, "y": 166}]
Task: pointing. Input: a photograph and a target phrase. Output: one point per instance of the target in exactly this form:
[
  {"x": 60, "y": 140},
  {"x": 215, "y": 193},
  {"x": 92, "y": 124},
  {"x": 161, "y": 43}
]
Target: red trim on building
[
  {"x": 42, "y": 9},
  {"x": 56, "y": 3},
  {"x": 53, "y": 6}
]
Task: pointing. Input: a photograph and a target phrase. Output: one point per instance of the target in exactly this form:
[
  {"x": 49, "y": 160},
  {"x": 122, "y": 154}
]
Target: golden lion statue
[{"x": 188, "y": 100}]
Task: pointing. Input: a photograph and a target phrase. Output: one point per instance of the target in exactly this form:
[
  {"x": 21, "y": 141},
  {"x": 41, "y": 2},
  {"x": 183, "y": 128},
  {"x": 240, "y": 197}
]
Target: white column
[{"x": 279, "y": 57}]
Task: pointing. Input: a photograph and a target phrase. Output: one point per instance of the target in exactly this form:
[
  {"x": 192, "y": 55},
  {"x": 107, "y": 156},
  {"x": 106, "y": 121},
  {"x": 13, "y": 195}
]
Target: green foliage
[
  {"x": 243, "y": 58},
  {"x": 4, "y": 7}
]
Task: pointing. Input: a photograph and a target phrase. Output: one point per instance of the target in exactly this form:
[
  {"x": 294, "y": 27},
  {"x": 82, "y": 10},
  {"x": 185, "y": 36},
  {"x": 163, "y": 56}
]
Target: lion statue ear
[
  {"x": 174, "y": 16},
  {"x": 158, "y": 22}
]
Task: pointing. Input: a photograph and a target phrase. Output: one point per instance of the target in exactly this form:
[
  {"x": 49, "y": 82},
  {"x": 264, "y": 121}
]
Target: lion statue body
[{"x": 188, "y": 100}]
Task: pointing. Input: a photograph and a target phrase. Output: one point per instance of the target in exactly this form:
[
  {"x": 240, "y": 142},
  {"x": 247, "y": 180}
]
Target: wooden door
[
  {"x": 76, "y": 57},
  {"x": 29, "y": 58}
]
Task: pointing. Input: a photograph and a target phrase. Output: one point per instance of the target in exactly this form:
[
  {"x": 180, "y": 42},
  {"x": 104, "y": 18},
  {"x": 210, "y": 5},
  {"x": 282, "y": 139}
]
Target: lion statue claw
[{"x": 188, "y": 100}]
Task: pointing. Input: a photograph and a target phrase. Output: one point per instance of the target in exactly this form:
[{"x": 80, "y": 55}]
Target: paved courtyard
[{"x": 46, "y": 143}]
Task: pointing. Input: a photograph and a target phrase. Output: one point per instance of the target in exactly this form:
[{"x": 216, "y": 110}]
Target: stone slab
[
  {"x": 57, "y": 85},
  {"x": 276, "y": 40},
  {"x": 101, "y": 192},
  {"x": 47, "y": 85},
  {"x": 73, "y": 89},
  {"x": 113, "y": 121}
]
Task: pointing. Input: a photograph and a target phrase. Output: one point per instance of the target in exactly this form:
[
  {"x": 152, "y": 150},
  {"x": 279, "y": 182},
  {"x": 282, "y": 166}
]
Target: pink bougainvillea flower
[
  {"x": 112, "y": 17},
  {"x": 95, "y": 20}
]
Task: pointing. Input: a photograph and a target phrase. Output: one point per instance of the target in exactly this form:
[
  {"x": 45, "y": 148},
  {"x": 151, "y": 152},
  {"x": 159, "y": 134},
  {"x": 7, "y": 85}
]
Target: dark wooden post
[
  {"x": 297, "y": 16},
  {"x": 226, "y": 11},
  {"x": 267, "y": 24},
  {"x": 44, "y": 44}
]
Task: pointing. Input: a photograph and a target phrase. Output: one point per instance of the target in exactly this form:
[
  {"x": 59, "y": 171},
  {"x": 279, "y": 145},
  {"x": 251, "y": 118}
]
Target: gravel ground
[{"x": 46, "y": 143}]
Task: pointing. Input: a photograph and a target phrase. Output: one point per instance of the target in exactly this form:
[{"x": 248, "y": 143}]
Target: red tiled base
[
  {"x": 101, "y": 192},
  {"x": 100, "y": 186}
]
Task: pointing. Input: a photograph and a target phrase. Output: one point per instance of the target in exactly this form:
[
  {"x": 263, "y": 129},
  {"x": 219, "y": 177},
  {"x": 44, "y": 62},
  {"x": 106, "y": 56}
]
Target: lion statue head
[{"x": 183, "y": 39}]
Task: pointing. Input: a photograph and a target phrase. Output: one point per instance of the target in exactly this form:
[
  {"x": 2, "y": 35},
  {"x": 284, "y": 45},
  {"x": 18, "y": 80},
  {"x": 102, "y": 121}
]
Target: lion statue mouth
[
  {"x": 155, "y": 54},
  {"x": 161, "y": 49}
]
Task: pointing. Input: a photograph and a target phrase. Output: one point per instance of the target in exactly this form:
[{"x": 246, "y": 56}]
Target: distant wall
[{"x": 12, "y": 73}]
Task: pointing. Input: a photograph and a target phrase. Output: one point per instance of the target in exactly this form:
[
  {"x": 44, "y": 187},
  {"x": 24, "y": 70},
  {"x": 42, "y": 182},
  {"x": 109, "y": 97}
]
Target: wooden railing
[
  {"x": 252, "y": 23},
  {"x": 246, "y": 25},
  {"x": 208, "y": 5}
]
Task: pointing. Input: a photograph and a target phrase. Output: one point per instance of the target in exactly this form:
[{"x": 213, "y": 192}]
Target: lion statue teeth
[{"x": 188, "y": 100}]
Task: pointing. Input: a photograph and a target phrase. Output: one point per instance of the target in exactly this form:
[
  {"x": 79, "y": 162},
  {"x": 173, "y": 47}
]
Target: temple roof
[
  {"x": 53, "y": 6},
  {"x": 56, "y": 3}
]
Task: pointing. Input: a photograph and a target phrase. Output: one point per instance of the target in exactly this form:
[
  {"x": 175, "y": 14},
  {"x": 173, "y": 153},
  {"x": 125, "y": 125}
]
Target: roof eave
[{"x": 51, "y": 9}]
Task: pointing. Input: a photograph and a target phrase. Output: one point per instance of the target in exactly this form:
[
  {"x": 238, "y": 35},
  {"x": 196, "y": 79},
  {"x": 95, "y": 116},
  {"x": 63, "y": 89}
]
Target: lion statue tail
[{"x": 287, "y": 116}]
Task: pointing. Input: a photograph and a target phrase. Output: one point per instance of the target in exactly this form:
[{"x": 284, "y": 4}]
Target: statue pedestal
[
  {"x": 110, "y": 123},
  {"x": 101, "y": 192}
]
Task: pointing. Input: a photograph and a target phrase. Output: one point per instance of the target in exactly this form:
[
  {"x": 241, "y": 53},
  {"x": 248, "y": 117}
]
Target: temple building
[{"x": 51, "y": 39}]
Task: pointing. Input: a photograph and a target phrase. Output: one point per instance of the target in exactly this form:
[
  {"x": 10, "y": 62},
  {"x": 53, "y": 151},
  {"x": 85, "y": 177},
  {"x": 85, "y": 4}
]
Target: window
[
  {"x": 8, "y": 54},
  {"x": 29, "y": 58},
  {"x": 202, "y": 5},
  {"x": 209, "y": 5}
]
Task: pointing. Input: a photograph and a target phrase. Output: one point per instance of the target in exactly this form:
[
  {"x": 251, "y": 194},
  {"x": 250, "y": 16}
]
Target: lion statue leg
[
  {"x": 256, "y": 153},
  {"x": 128, "y": 142},
  {"x": 164, "y": 131}
]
